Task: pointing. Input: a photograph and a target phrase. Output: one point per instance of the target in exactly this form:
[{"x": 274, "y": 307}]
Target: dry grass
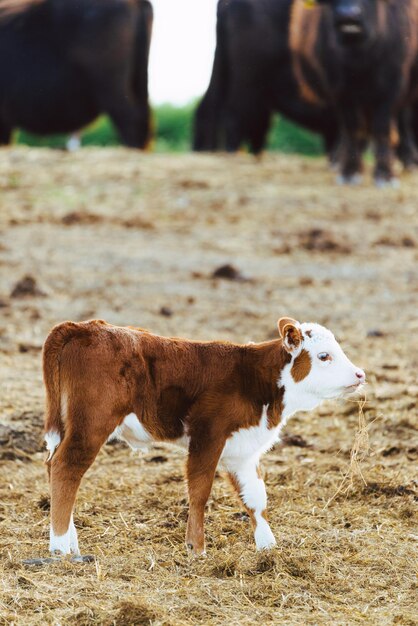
[
  {"x": 119, "y": 235},
  {"x": 359, "y": 452}
]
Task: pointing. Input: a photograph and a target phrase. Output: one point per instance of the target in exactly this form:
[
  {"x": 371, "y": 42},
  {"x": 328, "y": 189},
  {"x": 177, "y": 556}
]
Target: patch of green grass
[
  {"x": 173, "y": 133},
  {"x": 173, "y": 127},
  {"x": 284, "y": 136}
]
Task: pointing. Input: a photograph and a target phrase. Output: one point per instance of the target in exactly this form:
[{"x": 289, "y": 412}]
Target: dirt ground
[{"x": 134, "y": 239}]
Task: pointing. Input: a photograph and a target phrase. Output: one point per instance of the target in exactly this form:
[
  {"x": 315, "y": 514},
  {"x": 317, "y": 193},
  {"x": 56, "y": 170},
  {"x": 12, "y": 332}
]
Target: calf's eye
[{"x": 324, "y": 356}]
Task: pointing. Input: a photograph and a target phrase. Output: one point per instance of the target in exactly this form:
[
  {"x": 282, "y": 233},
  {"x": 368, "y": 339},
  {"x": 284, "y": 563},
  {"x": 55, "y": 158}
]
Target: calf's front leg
[{"x": 249, "y": 484}]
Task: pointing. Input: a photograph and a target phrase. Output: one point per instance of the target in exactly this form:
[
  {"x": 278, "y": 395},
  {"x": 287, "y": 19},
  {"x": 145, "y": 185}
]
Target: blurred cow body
[
  {"x": 360, "y": 56},
  {"x": 62, "y": 63},
  {"x": 252, "y": 77}
]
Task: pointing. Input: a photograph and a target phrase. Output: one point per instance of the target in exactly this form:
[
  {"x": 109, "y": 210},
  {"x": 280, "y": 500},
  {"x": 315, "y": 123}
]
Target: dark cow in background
[
  {"x": 252, "y": 77},
  {"x": 64, "y": 62},
  {"x": 360, "y": 56}
]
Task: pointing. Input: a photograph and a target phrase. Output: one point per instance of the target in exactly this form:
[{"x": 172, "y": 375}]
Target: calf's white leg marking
[
  {"x": 253, "y": 494},
  {"x": 240, "y": 458},
  {"x": 52, "y": 439},
  {"x": 66, "y": 543},
  {"x": 73, "y": 538}
]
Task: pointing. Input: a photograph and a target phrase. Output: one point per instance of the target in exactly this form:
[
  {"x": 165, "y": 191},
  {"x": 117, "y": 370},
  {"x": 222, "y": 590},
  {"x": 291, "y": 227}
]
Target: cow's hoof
[
  {"x": 350, "y": 179},
  {"x": 73, "y": 144},
  {"x": 387, "y": 183}
]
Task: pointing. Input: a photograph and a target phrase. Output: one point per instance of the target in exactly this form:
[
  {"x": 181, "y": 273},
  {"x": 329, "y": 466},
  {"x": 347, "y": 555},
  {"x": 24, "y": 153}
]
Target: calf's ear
[
  {"x": 284, "y": 321},
  {"x": 290, "y": 333}
]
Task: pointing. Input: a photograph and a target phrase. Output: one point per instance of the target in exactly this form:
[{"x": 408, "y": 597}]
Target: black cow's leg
[
  {"x": 129, "y": 114},
  {"x": 143, "y": 130},
  {"x": 207, "y": 124},
  {"x": 407, "y": 150},
  {"x": 131, "y": 124},
  {"x": 246, "y": 118},
  {"x": 259, "y": 130},
  {"x": 332, "y": 143},
  {"x": 351, "y": 145},
  {"x": 5, "y": 134},
  {"x": 233, "y": 132},
  {"x": 381, "y": 125}
]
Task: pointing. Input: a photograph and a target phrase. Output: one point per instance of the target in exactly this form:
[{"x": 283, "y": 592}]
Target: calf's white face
[{"x": 319, "y": 368}]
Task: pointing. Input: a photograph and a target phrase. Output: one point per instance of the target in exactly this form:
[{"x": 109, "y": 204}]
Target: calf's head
[
  {"x": 355, "y": 21},
  {"x": 319, "y": 369}
]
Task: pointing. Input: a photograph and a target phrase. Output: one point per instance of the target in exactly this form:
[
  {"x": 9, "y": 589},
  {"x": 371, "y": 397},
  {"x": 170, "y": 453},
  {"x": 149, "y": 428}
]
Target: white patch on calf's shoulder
[
  {"x": 250, "y": 443},
  {"x": 52, "y": 440}
]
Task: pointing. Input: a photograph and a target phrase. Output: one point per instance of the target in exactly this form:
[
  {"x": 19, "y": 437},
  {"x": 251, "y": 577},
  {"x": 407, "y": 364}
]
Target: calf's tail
[{"x": 54, "y": 427}]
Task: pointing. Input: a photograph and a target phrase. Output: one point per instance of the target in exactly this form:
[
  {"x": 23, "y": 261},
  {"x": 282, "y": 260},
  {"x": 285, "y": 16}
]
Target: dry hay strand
[{"x": 359, "y": 452}]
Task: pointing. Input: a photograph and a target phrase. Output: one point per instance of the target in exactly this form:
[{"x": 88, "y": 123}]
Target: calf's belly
[{"x": 245, "y": 445}]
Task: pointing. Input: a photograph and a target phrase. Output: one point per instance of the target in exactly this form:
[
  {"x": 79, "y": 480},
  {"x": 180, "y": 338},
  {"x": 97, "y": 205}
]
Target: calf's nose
[{"x": 361, "y": 375}]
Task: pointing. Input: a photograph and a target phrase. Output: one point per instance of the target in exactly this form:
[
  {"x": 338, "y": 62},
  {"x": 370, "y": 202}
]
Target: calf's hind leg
[
  {"x": 201, "y": 465},
  {"x": 68, "y": 465}
]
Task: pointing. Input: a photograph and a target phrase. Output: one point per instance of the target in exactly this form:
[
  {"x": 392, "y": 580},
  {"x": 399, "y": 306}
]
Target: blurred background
[{"x": 177, "y": 80}]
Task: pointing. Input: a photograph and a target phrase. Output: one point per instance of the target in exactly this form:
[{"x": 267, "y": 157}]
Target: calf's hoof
[
  {"x": 268, "y": 545},
  {"x": 195, "y": 551},
  {"x": 264, "y": 538}
]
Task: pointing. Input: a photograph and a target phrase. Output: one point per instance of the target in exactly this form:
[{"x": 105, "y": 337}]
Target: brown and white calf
[{"x": 226, "y": 403}]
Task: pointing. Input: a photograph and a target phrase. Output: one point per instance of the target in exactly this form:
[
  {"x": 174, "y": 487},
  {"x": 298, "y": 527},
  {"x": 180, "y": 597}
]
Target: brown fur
[
  {"x": 283, "y": 322},
  {"x": 105, "y": 372},
  {"x": 13, "y": 7},
  {"x": 304, "y": 23},
  {"x": 301, "y": 366},
  {"x": 290, "y": 333},
  {"x": 303, "y": 36}
]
